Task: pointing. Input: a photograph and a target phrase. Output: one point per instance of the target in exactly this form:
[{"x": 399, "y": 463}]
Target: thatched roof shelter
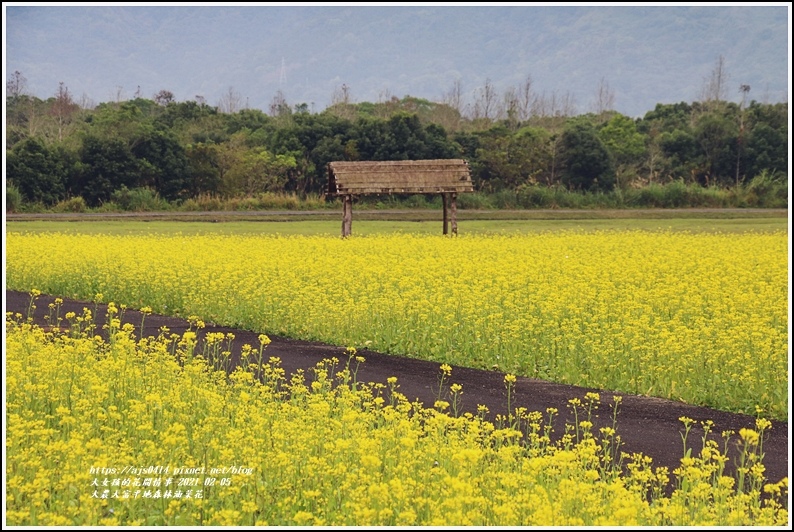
[
  {"x": 447, "y": 177},
  {"x": 430, "y": 176}
]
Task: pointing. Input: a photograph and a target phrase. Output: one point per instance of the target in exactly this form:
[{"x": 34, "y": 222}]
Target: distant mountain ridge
[{"x": 646, "y": 55}]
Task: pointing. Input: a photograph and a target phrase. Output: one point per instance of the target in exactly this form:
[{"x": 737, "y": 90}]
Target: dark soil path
[{"x": 647, "y": 425}]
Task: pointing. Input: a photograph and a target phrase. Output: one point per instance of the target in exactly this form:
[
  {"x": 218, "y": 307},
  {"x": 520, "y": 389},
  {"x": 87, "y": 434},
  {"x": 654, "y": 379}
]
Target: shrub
[
  {"x": 475, "y": 200},
  {"x": 770, "y": 189},
  {"x": 505, "y": 199},
  {"x": 534, "y": 196},
  {"x": 139, "y": 199},
  {"x": 204, "y": 202},
  {"x": 74, "y": 204},
  {"x": 13, "y": 197}
]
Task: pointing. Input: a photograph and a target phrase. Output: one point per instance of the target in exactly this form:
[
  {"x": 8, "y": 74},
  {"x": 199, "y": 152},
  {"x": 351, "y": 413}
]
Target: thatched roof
[{"x": 399, "y": 177}]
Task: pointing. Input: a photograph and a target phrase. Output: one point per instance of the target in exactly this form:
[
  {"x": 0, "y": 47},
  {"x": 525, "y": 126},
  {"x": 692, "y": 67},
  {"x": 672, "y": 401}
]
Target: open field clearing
[
  {"x": 419, "y": 221},
  {"x": 696, "y": 317}
]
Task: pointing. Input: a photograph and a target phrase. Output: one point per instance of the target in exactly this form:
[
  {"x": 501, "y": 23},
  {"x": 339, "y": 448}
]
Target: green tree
[
  {"x": 370, "y": 136},
  {"x": 332, "y": 148},
  {"x": 179, "y": 115},
  {"x": 250, "y": 119},
  {"x": 405, "y": 139},
  {"x": 584, "y": 160},
  {"x": 40, "y": 173},
  {"x": 467, "y": 144},
  {"x": 313, "y": 141},
  {"x": 625, "y": 144},
  {"x": 766, "y": 149},
  {"x": 507, "y": 161},
  {"x": 667, "y": 118},
  {"x": 163, "y": 164},
  {"x": 716, "y": 136},
  {"x": 773, "y": 115},
  {"x": 538, "y": 146},
  {"x": 203, "y": 169},
  {"x": 401, "y": 138},
  {"x": 229, "y": 157},
  {"x": 681, "y": 151},
  {"x": 107, "y": 165},
  {"x": 123, "y": 122},
  {"x": 439, "y": 146},
  {"x": 258, "y": 170}
]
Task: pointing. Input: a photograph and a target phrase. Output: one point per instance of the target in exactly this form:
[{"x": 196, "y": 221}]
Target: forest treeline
[{"x": 61, "y": 153}]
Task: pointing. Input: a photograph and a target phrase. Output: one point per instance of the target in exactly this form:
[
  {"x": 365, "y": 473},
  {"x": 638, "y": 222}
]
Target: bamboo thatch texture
[{"x": 399, "y": 177}]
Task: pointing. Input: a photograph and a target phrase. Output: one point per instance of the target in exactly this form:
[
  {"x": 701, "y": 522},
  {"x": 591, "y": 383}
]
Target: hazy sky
[{"x": 644, "y": 54}]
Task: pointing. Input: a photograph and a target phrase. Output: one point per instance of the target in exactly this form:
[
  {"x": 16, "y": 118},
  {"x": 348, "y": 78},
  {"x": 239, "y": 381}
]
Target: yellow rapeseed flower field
[
  {"x": 142, "y": 432},
  {"x": 689, "y": 316}
]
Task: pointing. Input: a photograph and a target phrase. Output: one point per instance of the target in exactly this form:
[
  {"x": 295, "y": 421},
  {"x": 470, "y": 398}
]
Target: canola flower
[
  {"x": 700, "y": 318},
  {"x": 321, "y": 450}
]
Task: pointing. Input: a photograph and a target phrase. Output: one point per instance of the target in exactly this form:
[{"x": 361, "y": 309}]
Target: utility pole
[{"x": 282, "y": 78}]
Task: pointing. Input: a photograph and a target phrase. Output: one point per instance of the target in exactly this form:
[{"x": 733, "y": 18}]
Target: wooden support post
[
  {"x": 454, "y": 211},
  {"x": 347, "y": 216},
  {"x": 444, "y": 202}
]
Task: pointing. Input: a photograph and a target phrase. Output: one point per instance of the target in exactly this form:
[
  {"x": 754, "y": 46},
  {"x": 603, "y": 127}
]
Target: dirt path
[
  {"x": 647, "y": 425},
  {"x": 411, "y": 214}
]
